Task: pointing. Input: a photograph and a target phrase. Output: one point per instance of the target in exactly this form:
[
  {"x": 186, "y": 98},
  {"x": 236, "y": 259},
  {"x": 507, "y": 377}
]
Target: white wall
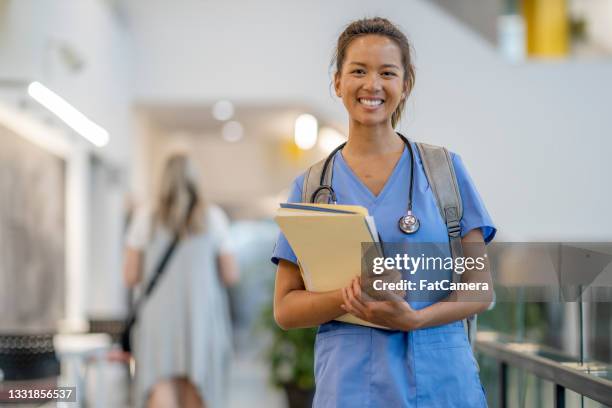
[
  {"x": 532, "y": 135},
  {"x": 32, "y": 37},
  {"x": 34, "y": 34}
]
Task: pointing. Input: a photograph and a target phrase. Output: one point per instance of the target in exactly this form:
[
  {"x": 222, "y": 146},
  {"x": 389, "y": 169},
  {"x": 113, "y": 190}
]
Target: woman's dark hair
[{"x": 378, "y": 26}]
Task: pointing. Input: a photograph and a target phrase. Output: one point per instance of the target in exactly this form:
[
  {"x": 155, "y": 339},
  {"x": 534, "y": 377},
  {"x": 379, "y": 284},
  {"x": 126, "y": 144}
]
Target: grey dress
[{"x": 183, "y": 328}]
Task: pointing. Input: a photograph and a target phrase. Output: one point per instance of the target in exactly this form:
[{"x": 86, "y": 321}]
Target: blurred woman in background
[{"x": 182, "y": 338}]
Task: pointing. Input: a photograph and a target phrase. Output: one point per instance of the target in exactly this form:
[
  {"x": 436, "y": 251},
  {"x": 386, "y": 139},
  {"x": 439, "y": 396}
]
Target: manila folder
[{"x": 328, "y": 248}]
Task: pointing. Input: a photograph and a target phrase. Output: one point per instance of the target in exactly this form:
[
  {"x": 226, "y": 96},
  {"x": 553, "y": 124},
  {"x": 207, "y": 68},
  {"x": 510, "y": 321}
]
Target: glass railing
[{"x": 526, "y": 374}]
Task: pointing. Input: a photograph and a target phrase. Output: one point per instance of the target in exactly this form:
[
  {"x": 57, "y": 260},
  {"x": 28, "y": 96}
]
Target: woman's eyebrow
[
  {"x": 361, "y": 64},
  {"x": 390, "y": 66}
]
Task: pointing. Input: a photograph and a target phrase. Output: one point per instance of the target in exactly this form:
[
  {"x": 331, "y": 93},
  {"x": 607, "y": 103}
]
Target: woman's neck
[{"x": 372, "y": 140}]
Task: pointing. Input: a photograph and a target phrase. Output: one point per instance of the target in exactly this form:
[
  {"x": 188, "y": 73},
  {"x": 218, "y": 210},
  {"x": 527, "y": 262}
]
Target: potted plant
[{"x": 291, "y": 358}]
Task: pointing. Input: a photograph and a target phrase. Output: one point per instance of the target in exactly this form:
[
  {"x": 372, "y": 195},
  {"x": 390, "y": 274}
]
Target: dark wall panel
[{"x": 32, "y": 236}]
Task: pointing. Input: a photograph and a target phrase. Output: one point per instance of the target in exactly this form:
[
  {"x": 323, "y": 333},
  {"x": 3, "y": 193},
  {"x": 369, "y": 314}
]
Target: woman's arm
[
  {"x": 132, "y": 267},
  {"x": 295, "y": 307},
  {"x": 228, "y": 268}
]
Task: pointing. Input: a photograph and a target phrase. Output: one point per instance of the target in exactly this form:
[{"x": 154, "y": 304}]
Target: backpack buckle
[{"x": 452, "y": 223}]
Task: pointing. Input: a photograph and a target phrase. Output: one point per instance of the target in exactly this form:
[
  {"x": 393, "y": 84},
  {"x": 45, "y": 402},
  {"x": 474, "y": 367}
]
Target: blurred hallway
[{"x": 250, "y": 375}]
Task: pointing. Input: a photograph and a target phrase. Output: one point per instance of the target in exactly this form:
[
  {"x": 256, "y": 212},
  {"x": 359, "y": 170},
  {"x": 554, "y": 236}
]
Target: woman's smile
[{"x": 371, "y": 103}]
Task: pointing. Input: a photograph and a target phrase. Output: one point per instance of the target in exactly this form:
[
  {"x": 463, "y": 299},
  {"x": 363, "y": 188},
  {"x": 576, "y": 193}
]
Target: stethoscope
[{"x": 408, "y": 223}]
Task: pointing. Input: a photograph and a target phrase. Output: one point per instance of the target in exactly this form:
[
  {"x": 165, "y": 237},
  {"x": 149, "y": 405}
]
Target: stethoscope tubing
[
  {"x": 408, "y": 223},
  {"x": 329, "y": 188}
]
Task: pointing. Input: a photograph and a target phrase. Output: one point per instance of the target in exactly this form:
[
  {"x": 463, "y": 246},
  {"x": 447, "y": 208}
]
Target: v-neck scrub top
[{"x": 359, "y": 366}]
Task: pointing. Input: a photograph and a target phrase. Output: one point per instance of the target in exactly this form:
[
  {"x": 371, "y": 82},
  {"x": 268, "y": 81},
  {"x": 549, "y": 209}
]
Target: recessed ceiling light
[
  {"x": 232, "y": 131},
  {"x": 223, "y": 110},
  {"x": 305, "y": 135}
]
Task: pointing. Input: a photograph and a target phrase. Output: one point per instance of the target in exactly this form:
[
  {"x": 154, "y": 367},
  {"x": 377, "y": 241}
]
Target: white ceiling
[{"x": 260, "y": 122}]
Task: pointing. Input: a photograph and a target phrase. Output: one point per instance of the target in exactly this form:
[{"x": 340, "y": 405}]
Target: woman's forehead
[{"x": 373, "y": 49}]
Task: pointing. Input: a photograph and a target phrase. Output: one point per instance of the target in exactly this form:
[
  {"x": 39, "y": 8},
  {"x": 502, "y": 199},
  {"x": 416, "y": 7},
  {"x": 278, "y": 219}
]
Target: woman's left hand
[{"x": 394, "y": 314}]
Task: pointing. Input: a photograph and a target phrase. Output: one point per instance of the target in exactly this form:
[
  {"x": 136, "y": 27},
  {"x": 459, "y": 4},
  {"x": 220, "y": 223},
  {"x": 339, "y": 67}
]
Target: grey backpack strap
[
  {"x": 312, "y": 182},
  {"x": 440, "y": 173}
]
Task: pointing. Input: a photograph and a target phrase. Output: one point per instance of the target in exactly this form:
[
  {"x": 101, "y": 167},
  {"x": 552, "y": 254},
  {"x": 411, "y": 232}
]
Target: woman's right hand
[
  {"x": 395, "y": 314},
  {"x": 388, "y": 276}
]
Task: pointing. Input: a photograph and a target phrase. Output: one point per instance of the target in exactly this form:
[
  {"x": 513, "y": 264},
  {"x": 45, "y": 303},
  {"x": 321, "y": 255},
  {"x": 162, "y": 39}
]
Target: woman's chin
[{"x": 371, "y": 121}]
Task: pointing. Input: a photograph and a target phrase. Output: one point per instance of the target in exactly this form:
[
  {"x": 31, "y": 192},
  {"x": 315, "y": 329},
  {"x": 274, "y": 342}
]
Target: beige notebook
[{"x": 326, "y": 239}]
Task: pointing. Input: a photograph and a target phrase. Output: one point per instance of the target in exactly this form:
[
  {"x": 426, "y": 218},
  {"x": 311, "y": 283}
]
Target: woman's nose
[{"x": 373, "y": 83}]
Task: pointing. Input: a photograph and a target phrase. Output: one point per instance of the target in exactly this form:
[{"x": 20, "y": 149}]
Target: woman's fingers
[
  {"x": 347, "y": 305},
  {"x": 364, "y": 296},
  {"x": 350, "y": 290},
  {"x": 349, "y": 295},
  {"x": 381, "y": 312},
  {"x": 357, "y": 287},
  {"x": 345, "y": 298},
  {"x": 357, "y": 304},
  {"x": 351, "y": 304}
]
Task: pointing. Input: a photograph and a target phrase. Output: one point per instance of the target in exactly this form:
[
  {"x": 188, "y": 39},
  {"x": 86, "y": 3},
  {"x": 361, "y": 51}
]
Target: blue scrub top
[
  {"x": 359, "y": 366},
  {"x": 392, "y": 201}
]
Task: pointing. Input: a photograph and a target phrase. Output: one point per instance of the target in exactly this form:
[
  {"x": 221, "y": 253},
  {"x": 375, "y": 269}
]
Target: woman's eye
[
  {"x": 389, "y": 73},
  {"x": 358, "y": 71}
]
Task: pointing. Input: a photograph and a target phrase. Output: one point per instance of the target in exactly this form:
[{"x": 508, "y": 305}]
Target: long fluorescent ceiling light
[{"x": 69, "y": 114}]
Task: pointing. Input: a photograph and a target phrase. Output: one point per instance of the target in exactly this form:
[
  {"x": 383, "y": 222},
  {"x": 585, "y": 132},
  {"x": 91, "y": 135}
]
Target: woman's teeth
[{"x": 371, "y": 102}]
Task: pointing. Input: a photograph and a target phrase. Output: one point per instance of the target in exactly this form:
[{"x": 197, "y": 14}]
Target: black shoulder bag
[{"x": 126, "y": 343}]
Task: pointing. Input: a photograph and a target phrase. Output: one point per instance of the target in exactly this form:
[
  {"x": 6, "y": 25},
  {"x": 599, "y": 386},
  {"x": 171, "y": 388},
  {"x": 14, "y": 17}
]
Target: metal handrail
[{"x": 580, "y": 378}]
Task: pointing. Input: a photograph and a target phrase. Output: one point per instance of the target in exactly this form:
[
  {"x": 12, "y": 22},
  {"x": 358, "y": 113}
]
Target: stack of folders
[{"x": 327, "y": 240}]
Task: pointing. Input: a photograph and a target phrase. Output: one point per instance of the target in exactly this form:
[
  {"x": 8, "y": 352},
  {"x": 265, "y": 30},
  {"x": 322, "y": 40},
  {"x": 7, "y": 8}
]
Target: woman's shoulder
[
  {"x": 216, "y": 217},
  {"x": 294, "y": 193},
  {"x": 144, "y": 211},
  {"x": 214, "y": 211},
  {"x": 421, "y": 144},
  {"x": 140, "y": 224},
  {"x": 454, "y": 156}
]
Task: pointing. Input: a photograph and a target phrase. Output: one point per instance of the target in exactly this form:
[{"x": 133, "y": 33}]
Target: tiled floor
[
  {"x": 249, "y": 386},
  {"x": 103, "y": 384}
]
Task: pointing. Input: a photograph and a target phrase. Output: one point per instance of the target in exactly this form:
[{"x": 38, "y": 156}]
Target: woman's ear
[{"x": 337, "y": 85}]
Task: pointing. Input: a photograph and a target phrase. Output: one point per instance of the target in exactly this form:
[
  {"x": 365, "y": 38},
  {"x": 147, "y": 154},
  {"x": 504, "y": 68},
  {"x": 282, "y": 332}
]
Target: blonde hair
[{"x": 178, "y": 178}]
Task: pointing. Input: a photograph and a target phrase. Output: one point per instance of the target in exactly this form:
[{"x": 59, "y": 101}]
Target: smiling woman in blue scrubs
[{"x": 425, "y": 360}]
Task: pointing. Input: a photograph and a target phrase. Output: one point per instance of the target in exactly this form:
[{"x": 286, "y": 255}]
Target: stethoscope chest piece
[{"x": 409, "y": 224}]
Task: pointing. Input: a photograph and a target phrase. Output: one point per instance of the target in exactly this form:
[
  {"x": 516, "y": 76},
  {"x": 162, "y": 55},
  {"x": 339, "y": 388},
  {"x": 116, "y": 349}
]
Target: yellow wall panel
[{"x": 547, "y": 27}]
